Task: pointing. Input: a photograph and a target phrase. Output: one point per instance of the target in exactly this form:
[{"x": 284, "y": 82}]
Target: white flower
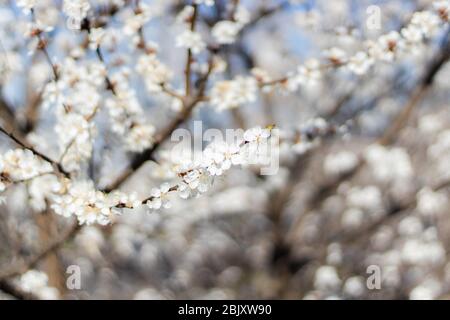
[
  {"x": 194, "y": 182},
  {"x": 87, "y": 204},
  {"x": 22, "y": 164},
  {"x": 368, "y": 198},
  {"x": 309, "y": 19},
  {"x": 191, "y": 40},
  {"x": 225, "y": 32},
  {"x": 354, "y": 286},
  {"x": 442, "y": 7},
  {"x": 412, "y": 34},
  {"x": 308, "y": 74},
  {"x": 42, "y": 189},
  {"x": 133, "y": 23},
  {"x": 219, "y": 157},
  {"x": 185, "y": 15},
  {"x": 360, "y": 63},
  {"x": 76, "y": 10},
  {"x": 256, "y": 134},
  {"x": 53, "y": 93},
  {"x": 257, "y": 146},
  {"x": 386, "y": 47},
  {"x": 430, "y": 289}
]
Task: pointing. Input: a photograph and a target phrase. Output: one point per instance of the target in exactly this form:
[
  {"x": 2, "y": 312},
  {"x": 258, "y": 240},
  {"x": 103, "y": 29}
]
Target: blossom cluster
[
  {"x": 76, "y": 97},
  {"x": 76, "y": 10},
  {"x": 79, "y": 198},
  {"x": 387, "y": 48},
  {"x": 21, "y": 165},
  {"x": 228, "y": 94}
]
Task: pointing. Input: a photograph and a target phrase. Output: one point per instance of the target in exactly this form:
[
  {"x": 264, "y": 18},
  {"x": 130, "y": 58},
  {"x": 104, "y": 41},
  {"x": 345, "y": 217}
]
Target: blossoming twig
[
  {"x": 189, "y": 54},
  {"x": 55, "y": 164}
]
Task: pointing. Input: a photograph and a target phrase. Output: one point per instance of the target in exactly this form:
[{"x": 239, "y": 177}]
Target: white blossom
[
  {"x": 190, "y": 40},
  {"x": 154, "y": 72},
  {"x": 336, "y": 55},
  {"x": 140, "y": 137},
  {"x": 360, "y": 63}
]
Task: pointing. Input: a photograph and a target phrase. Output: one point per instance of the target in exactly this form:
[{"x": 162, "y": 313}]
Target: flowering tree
[{"x": 345, "y": 103}]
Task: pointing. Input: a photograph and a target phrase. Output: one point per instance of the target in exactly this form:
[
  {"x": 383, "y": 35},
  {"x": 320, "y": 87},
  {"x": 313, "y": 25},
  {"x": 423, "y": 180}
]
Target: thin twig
[{"x": 189, "y": 54}]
